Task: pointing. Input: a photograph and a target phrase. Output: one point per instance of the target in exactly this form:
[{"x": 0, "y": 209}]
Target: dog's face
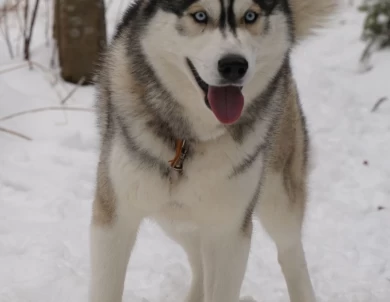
[{"x": 227, "y": 46}]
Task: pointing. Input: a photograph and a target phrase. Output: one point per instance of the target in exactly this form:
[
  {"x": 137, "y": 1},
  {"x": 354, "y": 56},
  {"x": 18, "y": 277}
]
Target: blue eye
[
  {"x": 200, "y": 17},
  {"x": 250, "y": 17}
]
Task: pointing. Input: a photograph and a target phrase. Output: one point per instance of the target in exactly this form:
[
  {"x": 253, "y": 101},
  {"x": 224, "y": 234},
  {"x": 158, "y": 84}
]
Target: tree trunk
[{"x": 80, "y": 31}]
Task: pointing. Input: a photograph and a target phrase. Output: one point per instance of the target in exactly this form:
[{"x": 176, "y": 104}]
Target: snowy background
[{"x": 46, "y": 183}]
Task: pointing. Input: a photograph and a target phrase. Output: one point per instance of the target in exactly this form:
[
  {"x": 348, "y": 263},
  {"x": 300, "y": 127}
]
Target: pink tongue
[{"x": 226, "y": 103}]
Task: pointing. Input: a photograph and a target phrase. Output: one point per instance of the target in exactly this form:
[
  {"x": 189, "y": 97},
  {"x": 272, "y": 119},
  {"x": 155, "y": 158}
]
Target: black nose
[{"x": 232, "y": 67}]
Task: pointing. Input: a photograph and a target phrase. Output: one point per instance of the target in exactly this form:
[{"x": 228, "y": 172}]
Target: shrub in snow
[{"x": 376, "y": 29}]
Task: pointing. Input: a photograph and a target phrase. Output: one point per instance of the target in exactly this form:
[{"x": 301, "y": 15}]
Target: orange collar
[{"x": 181, "y": 153}]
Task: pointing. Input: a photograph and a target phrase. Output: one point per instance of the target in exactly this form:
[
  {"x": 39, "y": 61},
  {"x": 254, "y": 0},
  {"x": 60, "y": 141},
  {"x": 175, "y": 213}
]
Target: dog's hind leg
[
  {"x": 225, "y": 255},
  {"x": 281, "y": 211}
]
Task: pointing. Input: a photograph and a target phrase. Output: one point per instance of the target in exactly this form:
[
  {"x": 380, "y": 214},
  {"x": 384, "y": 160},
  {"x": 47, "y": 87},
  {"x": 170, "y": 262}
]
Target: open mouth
[{"x": 226, "y": 102}]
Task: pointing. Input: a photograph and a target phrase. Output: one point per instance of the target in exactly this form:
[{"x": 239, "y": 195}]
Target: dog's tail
[{"x": 309, "y": 15}]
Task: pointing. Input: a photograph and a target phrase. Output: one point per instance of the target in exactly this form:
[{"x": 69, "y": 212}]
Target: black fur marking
[
  {"x": 140, "y": 12},
  {"x": 305, "y": 133},
  {"x": 177, "y": 7},
  {"x": 267, "y": 5},
  {"x": 222, "y": 17},
  {"x": 150, "y": 9},
  {"x": 231, "y": 17},
  {"x": 202, "y": 84},
  {"x": 248, "y": 161}
]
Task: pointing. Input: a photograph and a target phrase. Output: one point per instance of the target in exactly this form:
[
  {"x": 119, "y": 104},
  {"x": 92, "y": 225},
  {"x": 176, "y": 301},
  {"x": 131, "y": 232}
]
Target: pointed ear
[{"x": 309, "y": 15}]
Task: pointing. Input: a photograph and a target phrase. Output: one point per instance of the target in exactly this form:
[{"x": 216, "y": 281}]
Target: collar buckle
[{"x": 181, "y": 153}]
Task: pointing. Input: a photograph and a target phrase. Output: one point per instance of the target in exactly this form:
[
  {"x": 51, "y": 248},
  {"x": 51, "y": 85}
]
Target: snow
[{"x": 46, "y": 185}]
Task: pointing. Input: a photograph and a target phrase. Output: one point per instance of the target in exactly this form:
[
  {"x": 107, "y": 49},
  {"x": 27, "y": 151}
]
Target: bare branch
[
  {"x": 15, "y": 133},
  {"x": 49, "y": 74},
  {"x": 79, "y": 83},
  {"x": 55, "y": 80},
  {"x": 20, "y": 25},
  {"x": 45, "y": 109},
  {"x": 367, "y": 51},
  {"x": 44, "y": 70},
  {"x": 13, "y": 68},
  {"x": 25, "y": 18},
  {"x": 27, "y": 39},
  {"x": 5, "y": 31},
  {"x": 378, "y": 103},
  {"x": 47, "y": 22},
  {"x": 53, "y": 55},
  {"x": 6, "y": 8}
]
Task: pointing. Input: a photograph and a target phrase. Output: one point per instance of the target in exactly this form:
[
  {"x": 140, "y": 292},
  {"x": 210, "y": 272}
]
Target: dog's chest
[{"x": 206, "y": 192}]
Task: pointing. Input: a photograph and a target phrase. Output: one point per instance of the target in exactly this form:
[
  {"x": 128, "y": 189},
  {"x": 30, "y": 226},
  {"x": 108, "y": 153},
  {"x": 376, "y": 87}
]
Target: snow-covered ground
[{"x": 46, "y": 184}]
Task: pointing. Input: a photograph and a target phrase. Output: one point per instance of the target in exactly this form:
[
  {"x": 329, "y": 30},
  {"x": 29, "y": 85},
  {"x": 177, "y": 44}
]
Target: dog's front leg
[
  {"x": 225, "y": 255},
  {"x": 281, "y": 212},
  {"x": 112, "y": 238}
]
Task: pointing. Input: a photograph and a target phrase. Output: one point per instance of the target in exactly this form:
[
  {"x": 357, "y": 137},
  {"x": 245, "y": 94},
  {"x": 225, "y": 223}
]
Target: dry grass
[
  {"x": 14, "y": 133},
  {"x": 10, "y": 6},
  {"x": 8, "y": 117}
]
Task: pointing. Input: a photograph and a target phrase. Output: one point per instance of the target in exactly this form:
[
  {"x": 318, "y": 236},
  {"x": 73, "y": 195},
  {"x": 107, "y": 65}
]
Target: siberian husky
[{"x": 201, "y": 127}]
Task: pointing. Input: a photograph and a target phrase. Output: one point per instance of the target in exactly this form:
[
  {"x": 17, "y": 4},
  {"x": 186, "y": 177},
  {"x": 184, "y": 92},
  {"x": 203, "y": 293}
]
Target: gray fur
[
  {"x": 146, "y": 159},
  {"x": 248, "y": 161}
]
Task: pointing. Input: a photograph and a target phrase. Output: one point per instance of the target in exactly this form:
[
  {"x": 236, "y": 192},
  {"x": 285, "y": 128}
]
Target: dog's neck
[{"x": 179, "y": 112}]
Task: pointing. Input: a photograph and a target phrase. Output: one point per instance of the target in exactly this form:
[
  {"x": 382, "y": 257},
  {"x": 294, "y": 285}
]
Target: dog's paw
[{"x": 247, "y": 299}]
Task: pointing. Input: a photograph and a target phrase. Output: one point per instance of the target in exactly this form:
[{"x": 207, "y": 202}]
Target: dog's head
[{"x": 230, "y": 49}]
